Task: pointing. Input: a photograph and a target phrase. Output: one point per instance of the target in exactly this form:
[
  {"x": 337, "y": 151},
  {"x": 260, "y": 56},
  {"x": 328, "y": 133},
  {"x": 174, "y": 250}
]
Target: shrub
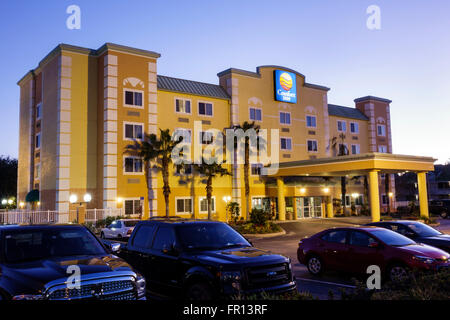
[
  {"x": 259, "y": 216},
  {"x": 251, "y": 228},
  {"x": 234, "y": 211}
]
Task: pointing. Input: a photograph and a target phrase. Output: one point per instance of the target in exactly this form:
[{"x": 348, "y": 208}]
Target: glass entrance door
[{"x": 309, "y": 207}]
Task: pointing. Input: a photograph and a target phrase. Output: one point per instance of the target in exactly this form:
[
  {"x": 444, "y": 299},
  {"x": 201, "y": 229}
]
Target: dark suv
[
  {"x": 440, "y": 207},
  {"x": 203, "y": 260},
  {"x": 62, "y": 262}
]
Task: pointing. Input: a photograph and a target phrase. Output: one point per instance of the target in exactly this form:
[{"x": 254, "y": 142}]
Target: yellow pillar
[
  {"x": 374, "y": 196},
  {"x": 423, "y": 196},
  {"x": 329, "y": 207},
  {"x": 281, "y": 200}
]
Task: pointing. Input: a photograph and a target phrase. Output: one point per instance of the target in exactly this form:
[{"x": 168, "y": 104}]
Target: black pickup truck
[
  {"x": 63, "y": 262},
  {"x": 203, "y": 260}
]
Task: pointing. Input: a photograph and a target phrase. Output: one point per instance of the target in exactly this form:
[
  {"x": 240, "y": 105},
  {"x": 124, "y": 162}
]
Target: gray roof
[
  {"x": 191, "y": 87},
  {"x": 345, "y": 112}
]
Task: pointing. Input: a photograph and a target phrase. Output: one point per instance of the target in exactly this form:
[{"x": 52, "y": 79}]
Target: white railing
[{"x": 44, "y": 217}]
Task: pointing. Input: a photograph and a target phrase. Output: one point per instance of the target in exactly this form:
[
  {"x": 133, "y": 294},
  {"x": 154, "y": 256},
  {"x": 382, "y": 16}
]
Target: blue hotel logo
[{"x": 285, "y": 86}]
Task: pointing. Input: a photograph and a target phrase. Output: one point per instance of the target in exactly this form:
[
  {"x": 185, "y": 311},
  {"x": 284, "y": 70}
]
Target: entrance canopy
[
  {"x": 370, "y": 164},
  {"x": 355, "y": 165}
]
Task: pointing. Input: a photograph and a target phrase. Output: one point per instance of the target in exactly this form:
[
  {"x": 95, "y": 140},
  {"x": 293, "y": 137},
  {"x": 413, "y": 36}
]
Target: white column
[{"x": 152, "y": 129}]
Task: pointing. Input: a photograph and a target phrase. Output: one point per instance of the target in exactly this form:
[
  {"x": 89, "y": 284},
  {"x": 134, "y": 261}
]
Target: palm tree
[
  {"x": 152, "y": 148},
  {"x": 210, "y": 171},
  {"x": 337, "y": 144},
  {"x": 247, "y": 126}
]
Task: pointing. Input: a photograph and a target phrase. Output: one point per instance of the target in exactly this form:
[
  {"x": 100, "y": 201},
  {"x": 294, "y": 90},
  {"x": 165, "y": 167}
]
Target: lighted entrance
[{"x": 309, "y": 207}]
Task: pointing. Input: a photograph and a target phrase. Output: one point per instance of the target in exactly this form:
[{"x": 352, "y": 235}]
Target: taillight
[{"x": 129, "y": 231}]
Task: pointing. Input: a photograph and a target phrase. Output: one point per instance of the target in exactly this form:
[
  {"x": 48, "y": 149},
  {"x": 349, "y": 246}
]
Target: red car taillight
[{"x": 129, "y": 231}]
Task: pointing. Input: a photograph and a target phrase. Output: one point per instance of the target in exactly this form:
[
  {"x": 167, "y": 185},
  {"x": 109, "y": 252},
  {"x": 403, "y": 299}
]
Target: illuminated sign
[{"x": 285, "y": 86}]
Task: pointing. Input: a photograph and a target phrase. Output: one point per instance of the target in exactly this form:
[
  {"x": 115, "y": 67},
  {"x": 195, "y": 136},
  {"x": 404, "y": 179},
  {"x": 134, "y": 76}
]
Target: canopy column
[
  {"x": 281, "y": 199},
  {"x": 374, "y": 195},
  {"x": 423, "y": 195}
]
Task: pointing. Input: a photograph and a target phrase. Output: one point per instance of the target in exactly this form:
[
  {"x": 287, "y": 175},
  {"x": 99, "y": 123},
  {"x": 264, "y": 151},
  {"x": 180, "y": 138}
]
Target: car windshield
[
  {"x": 28, "y": 245},
  {"x": 210, "y": 236},
  {"x": 422, "y": 229},
  {"x": 391, "y": 238},
  {"x": 130, "y": 223}
]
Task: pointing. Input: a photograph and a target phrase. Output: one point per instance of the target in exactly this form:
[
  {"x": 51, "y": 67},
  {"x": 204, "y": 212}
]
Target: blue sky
[{"x": 407, "y": 61}]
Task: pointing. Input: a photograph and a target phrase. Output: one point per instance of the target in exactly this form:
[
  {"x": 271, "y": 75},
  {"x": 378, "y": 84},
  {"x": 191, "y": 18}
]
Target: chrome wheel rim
[
  {"x": 314, "y": 265},
  {"x": 398, "y": 274}
]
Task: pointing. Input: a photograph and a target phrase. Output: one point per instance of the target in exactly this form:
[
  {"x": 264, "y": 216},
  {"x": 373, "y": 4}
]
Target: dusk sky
[{"x": 407, "y": 61}]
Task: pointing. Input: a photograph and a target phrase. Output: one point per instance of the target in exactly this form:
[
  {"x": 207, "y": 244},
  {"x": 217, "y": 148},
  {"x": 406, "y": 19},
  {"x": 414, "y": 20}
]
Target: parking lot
[{"x": 287, "y": 245}]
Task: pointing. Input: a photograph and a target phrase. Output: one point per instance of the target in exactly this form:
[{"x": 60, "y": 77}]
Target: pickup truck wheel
[
  {"x": 199, "y": 292},
  {"x": 444, "y": 215},
  {"x": 315, "y": 265}
]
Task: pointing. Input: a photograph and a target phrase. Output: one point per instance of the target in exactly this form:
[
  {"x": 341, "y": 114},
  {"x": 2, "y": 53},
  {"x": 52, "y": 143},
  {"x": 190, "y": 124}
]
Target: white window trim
[
  {"x": 317, "y": 145},
  {"x": 183, "y": 99},
  {"x": 279, "y": 118},
  {"x": 289, "y": 138},
  {"x": 306, "y": 120},
  {"x": 337, "y": 125},
  {"x": 132, "y": 105},
  {"x": 134, "y": 124},
  {"x": 39, "y": 105},
  {"x": 205, "y": 115},
  {"x": 357, "y": 127},
  {"x": 134, "y": 199},
  {"x": 384, "y": 130},
  {"x": 358, "y": 147},
  {"x": 184, "y": 198},
  {"x": 132, "y": 173},
  {"x": 40, "y": 141},
  {"x": 213, "y": 198},
  {"x": 256, "y": 108}
]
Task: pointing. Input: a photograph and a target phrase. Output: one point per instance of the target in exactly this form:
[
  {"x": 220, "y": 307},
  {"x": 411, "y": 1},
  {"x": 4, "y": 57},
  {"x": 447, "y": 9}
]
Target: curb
[{"x": 265, "y": 235}]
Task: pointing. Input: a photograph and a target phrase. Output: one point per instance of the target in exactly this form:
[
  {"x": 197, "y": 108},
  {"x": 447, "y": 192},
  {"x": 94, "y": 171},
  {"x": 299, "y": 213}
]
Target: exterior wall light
[
  {"x": 226, "y": 199},
  {"x": 355, "y": 195},
  {"x": 326, "y": 190},
  {"x": 10, "y": 201},
  {"x": 4, "y": 201},
  {"x": 302, "y": 190},
  {"x": 87, "y": 197},
  {"x": 119, "y": 200},
  {"x": 73, "y": 198},
  {"x": 390, "y": 194}
]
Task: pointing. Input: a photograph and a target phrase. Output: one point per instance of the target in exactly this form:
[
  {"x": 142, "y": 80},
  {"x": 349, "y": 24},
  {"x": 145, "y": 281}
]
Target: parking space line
[{"x": 326, "y": 282}]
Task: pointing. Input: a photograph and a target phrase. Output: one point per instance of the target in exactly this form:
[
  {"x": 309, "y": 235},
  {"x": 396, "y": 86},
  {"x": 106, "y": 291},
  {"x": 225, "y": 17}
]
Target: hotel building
[{"x": 81, "y": 107}]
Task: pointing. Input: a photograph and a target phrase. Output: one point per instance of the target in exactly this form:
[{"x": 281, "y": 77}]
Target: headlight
[
  {"x": 140, "y": 285},
  {"x": 230, "y": 276},
  {"x": 28, "y": 297},
  {"x": 426, "y": 260}
]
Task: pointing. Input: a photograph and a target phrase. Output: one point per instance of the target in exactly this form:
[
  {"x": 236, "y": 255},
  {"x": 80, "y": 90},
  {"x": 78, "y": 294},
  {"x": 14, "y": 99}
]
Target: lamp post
[{"x": 74, "y": 199}]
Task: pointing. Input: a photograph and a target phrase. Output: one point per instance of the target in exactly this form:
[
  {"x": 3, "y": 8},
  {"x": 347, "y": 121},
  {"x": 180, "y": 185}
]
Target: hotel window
[
  {"x": 133, "y": 131},
  {"x": 285, "y": 117},
  {"x": 38, "y": 111},
  {"x": 37, "y": 171},
  {"x": 355, "y": 148},
  {"x": 341, "y": 126},
  {"x": 257, "y": 202},
  {"x": 205, "y": 109},
  {"x": 255, "y": 114},
  {"x": 256, "y": 169},
  {"x": 133, "y": 165},
  {"x": 206, "y": 137},
  {"x": 381, "y": 130},
  {"x": 286, "y": 143},
  {"x": 183, "y": 205},
  {"x": 359, "y": 200},
  {"x": 204, "y": 204},
  {"x": 185, "y": 133},
  {"x": 311, "y": 122},
  {"x": 312, "y": 145},
  {"x": 183, "y": 106},
  {"x": 382, "y": 149},
  {"x": 132, "y": 206},
  {"x": 38, "y": 141},
  {"x": 354, "y": 127},
  {"x": 384, "y": 199},
  {"x": 133, "y": 98},
  {"x": 183, "y": 168}
]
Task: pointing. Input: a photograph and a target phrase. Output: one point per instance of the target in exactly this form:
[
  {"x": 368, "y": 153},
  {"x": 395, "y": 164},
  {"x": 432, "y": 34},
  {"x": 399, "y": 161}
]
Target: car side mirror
[
  {"x": 374, "y": 245},
  {"x": 114, "y": 247}
]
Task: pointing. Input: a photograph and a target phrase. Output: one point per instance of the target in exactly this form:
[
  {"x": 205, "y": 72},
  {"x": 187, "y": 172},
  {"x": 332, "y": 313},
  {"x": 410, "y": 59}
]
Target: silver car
[{"x": 121, "y": 228}]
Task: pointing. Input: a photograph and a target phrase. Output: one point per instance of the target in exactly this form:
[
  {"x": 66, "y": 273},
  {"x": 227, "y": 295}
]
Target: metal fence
[{"x": 43, "y": 217}]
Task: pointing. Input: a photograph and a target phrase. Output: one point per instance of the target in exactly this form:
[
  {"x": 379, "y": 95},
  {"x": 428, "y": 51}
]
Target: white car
[{"x": 119, "y": 229}]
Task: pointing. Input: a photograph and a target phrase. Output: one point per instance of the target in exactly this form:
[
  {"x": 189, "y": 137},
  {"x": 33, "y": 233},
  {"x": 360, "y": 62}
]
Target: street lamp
[
  {"x": 4, "y": 202},
  {"x": 10, "y": 201}
]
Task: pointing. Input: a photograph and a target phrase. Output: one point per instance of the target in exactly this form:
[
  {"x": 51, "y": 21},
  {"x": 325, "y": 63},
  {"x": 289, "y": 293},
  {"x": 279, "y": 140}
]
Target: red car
[{"x": 354, "y": 249}]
